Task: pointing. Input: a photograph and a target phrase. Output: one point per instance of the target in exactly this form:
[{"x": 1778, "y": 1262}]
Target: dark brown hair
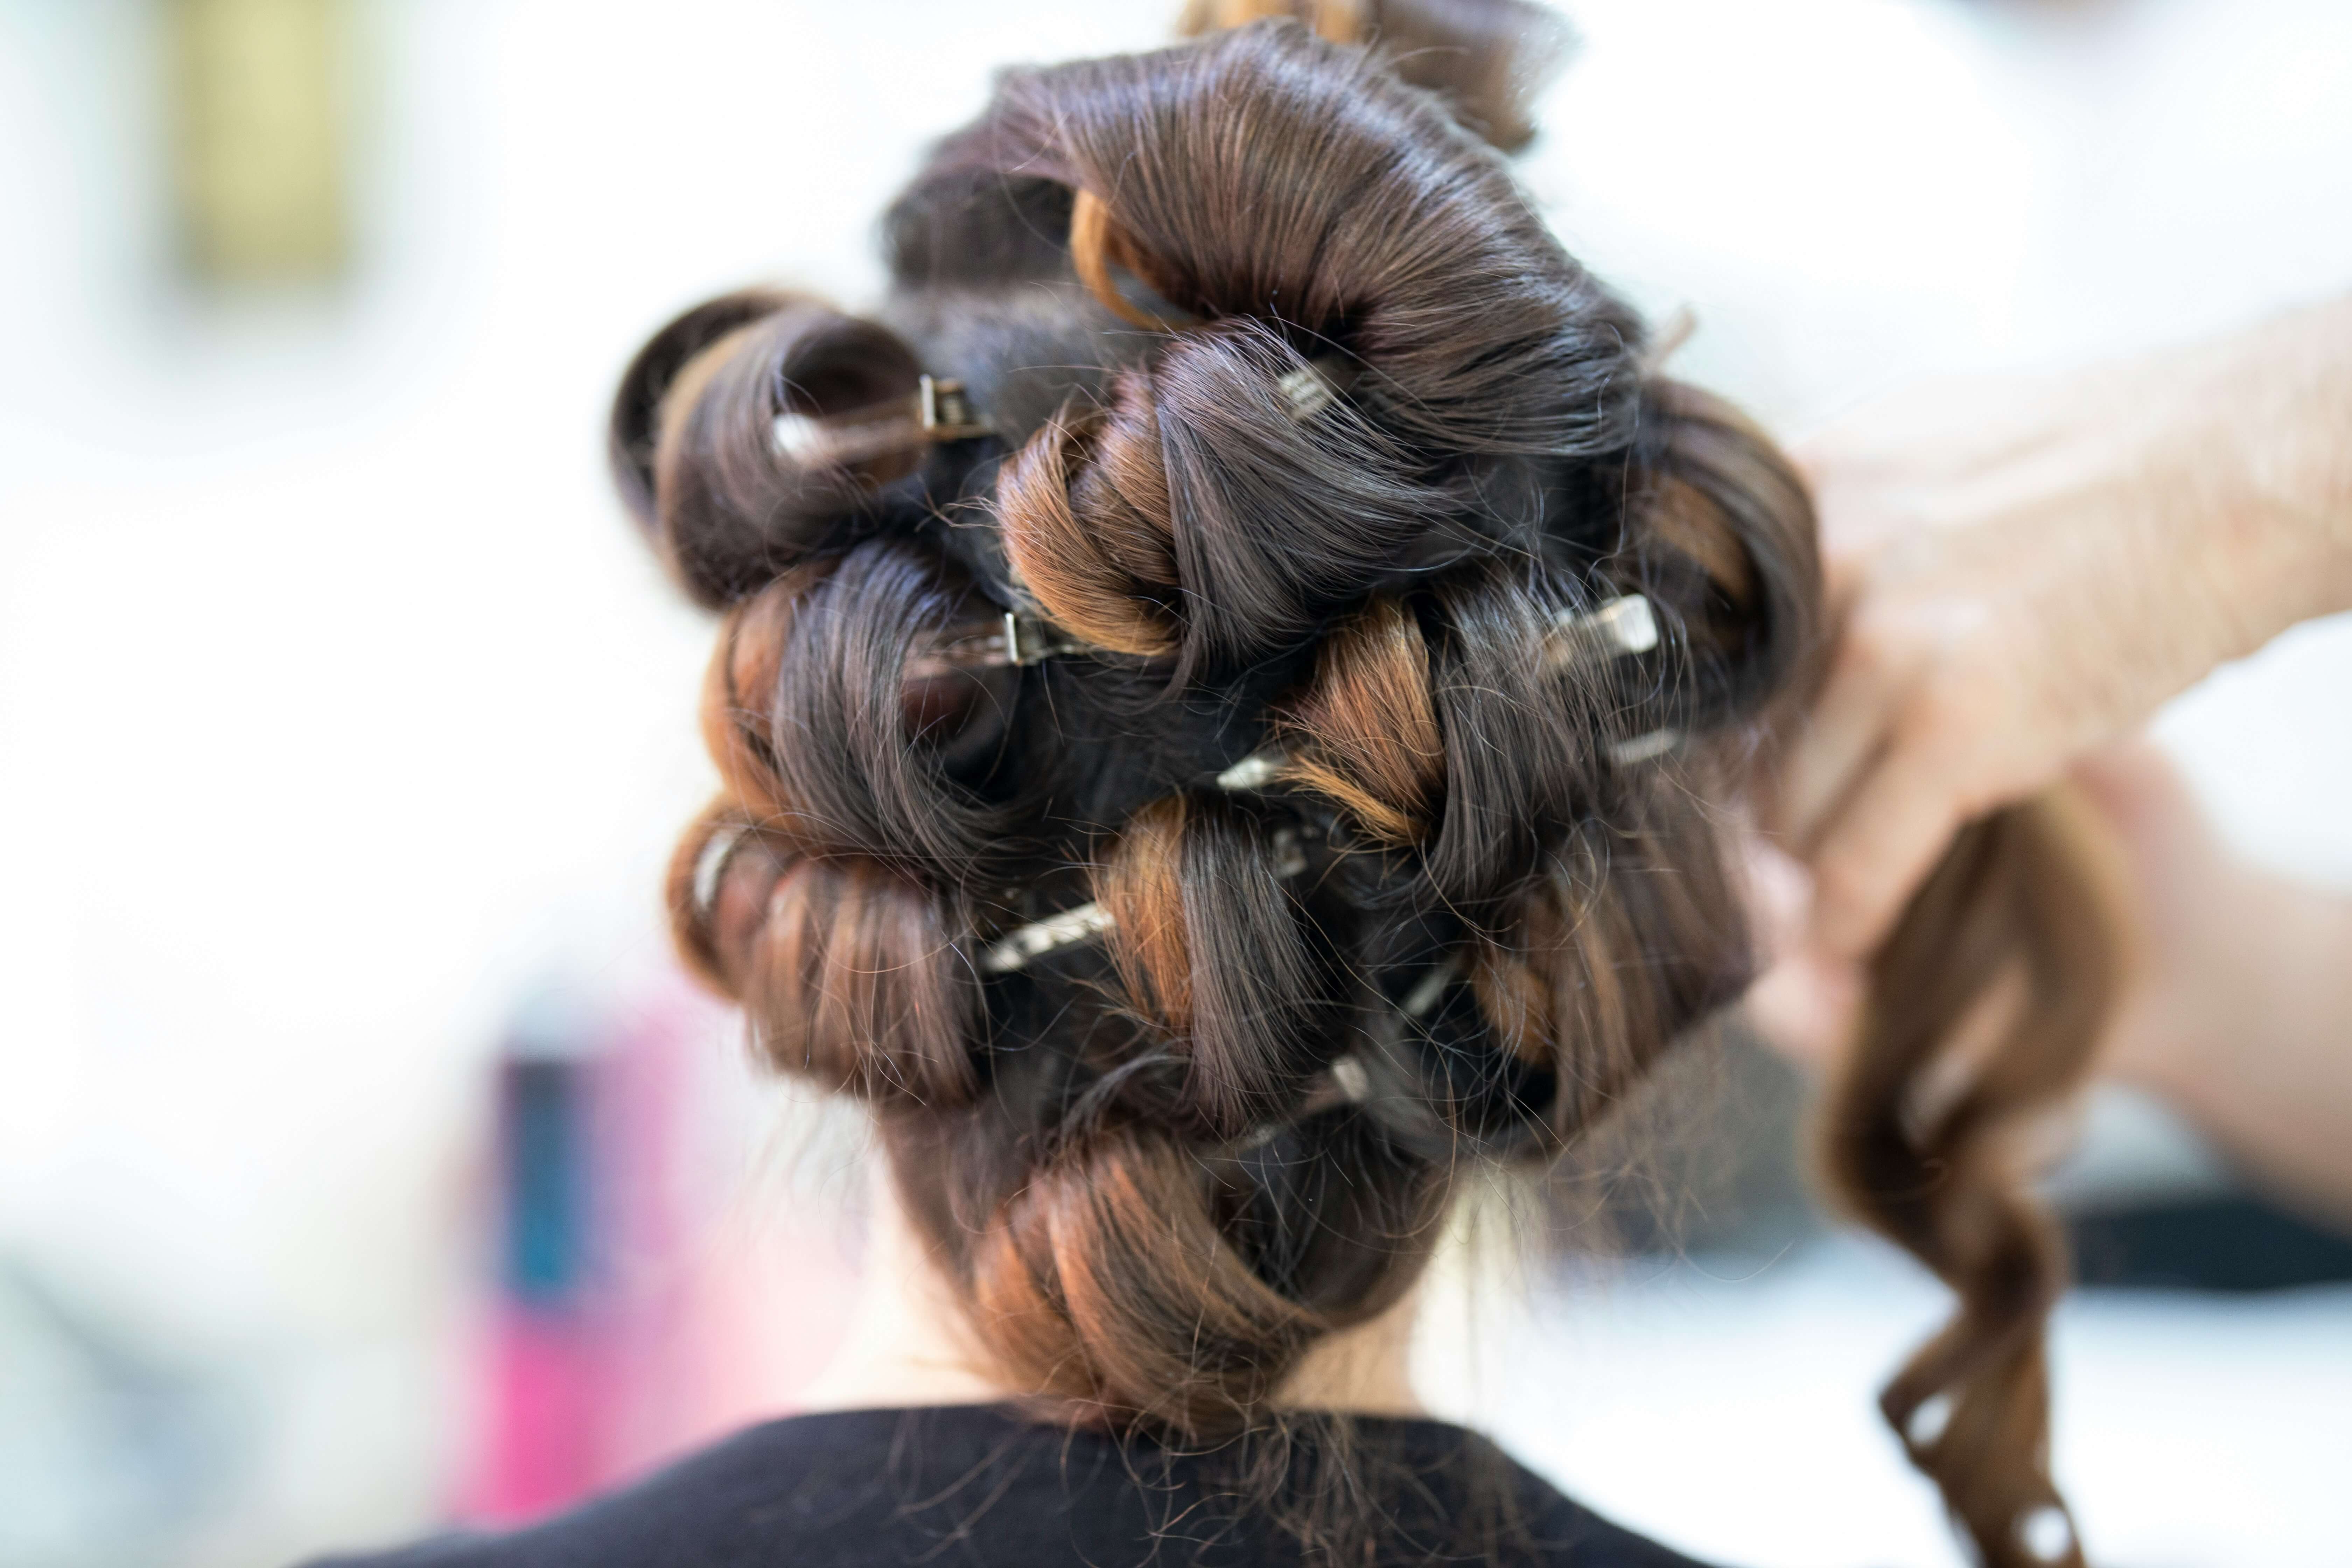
[{"x": 1304, "y": 425}]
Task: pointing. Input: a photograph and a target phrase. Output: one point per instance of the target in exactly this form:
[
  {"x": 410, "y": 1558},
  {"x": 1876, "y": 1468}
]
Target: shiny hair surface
[{"x": 1305, "y": 433}]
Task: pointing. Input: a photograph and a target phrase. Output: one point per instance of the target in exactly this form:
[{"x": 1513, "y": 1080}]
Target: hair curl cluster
[{"x": 1480, "y": 883}]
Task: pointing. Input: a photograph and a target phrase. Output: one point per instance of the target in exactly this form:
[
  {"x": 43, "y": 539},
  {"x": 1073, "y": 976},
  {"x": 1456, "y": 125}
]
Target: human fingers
[
  {"x": 1777, "y": 891},
  {"x": 1806, "y": 1008},
  {"x": 1872, "y": 854},
  {"x": 1845, "y": 730},
  {"x": 1806, "y": 1003}
]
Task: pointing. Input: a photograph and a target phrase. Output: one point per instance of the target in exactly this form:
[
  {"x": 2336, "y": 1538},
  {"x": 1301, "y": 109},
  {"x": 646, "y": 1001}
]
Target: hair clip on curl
[
  {"x": 1089, "y": 921},
  {"x": 1050, "y": 934},
  {"x": 945, "y": 412},
  {"x": 1424, "y": 998},
  {"x": 1018, "y": 641},
  {"x": 1644, "y": 748},
  {"x": 1625, "y": 624},
  {"x": 1256, "y": 771},
  {"x": 1305, "y": 391},
  {"x": 936, "y": 411},
  {"x": 710, "y": 865},
  {"x": 1347, "y": 1082}
]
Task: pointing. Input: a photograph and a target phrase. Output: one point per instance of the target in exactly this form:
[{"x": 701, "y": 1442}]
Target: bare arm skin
[{"x": 2242, "y": 1017}]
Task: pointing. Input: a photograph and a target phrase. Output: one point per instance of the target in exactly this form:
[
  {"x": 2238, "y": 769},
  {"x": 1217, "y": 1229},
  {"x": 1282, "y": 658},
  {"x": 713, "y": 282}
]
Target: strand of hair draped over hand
[{"x": 1229, "y": 691}]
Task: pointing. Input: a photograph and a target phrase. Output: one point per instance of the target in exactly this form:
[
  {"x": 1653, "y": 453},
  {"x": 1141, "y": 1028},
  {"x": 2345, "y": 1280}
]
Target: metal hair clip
[
  {"x": 1421, "y": 999},
  {"x": 843, "y": 440},
  {"x": 1039, "y": 938},
  {"x": 1089, "y": 921},
  {"x": 1646, "y": 748},
  {"x": 1306, "y": 392},
  {"x": 1316, "y": 385},
  {"x": 710, "y": 866},
  {"x": 946, "y": 412},
  {"x": 937, "y": 411},
  {"x": 1019, "y": 640},
  {"x": 1289, "y": 854},
  {"x": 1624, "y": 624},
  {"x": 1347, "y": 1081},
  {"x": 1253, "y": 772}
]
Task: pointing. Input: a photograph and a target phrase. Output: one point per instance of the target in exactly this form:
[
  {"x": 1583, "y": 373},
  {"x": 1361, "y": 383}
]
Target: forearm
[
  {"x": 2268, "y": 1074},
  {"x": 2287, "y": 387}
]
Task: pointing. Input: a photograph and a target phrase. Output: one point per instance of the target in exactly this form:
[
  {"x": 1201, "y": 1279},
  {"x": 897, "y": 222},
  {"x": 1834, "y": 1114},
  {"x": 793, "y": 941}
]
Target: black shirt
[{"x": 968, "y": 1486}]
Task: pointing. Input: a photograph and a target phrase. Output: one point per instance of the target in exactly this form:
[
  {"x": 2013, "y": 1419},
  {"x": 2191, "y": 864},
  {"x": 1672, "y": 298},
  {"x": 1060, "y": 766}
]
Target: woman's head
[
  {"x": 1229, "y": 689},
  {"x": 1373, "y": 509}
]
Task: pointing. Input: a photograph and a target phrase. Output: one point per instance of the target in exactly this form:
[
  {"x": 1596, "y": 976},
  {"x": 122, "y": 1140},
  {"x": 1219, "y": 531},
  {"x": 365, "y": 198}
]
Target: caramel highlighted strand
[
  {"x": 1216, "y": 955},
  {"x": 1365, "y": 734},
  {"x": 1106, "y": 1286},
  {"x": 1097, "y": 246},
  {"x": 1085, "y": 524},
  {"x": 855, "y": 979}
]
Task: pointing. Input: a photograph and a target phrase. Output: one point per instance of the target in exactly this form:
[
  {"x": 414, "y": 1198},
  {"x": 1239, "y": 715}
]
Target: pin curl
[{"x": 1624, "y": 624}]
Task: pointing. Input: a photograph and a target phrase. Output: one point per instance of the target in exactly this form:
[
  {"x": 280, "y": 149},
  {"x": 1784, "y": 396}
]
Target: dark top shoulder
[{"x": 975, "y": 1486}]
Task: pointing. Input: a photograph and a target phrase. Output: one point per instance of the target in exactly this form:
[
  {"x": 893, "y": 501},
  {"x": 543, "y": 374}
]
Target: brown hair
[{"x": 1307, "y": 428}]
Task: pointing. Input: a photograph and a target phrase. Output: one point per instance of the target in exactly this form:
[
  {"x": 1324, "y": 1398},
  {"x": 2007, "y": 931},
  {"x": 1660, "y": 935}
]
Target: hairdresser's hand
[
  {"x": 2025, "y": 571},
  {"x": 2193, "y": 926},
  {"x": 2239, "y": 1011}
]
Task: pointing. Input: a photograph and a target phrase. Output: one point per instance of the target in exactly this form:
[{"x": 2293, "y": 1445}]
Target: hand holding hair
[
  {"x": 2024, "y": 571},
  {"x": 2236, "y": 1007}
]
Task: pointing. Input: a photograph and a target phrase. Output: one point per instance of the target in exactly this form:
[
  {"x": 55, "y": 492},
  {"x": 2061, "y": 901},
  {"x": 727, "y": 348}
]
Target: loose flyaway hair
[{"x": 1229, "y": 690}]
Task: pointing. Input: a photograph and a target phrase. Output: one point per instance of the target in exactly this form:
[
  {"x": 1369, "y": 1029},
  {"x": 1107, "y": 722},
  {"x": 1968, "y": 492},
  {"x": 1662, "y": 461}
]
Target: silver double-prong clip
[
  {"x": 1087, "y": 921},
  {"x": 1256, "y": 771},
  {"x": 1038, "y": 938},
  {"x": 1017, "y": 641},
  {"x": 937, "y": 411},
  {"x": 1624, "y": 624},
  {"x": 1644, "y": 748},
  {"x": 945, "y": 412},
  {"x": 1316, "y": 385},
  {"x": 1304, "y": 392}
]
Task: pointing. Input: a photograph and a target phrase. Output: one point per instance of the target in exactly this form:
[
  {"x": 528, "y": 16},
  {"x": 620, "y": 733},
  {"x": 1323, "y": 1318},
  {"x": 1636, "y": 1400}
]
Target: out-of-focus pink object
[{"x": 647, "y": 1298}]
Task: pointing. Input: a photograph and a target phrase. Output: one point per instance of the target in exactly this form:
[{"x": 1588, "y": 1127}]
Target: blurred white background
[{"x": 338, "y": 708}]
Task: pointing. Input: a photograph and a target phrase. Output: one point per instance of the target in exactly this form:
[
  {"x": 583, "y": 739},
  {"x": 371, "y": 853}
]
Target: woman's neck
[{"x": 908, "y": 1344}]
